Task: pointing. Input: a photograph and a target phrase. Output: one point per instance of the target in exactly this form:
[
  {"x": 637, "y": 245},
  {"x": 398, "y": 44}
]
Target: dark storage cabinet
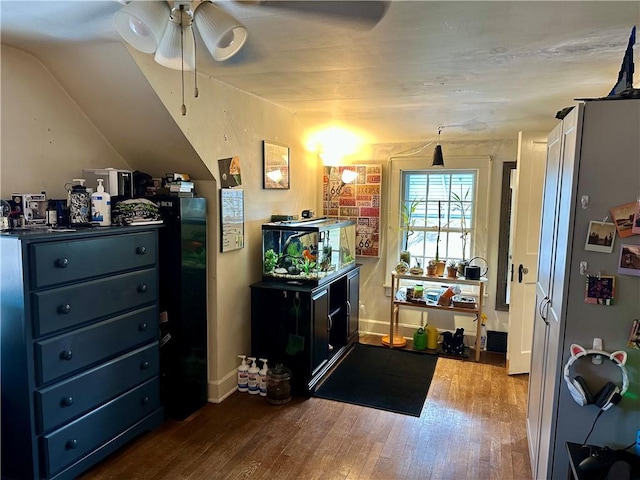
[
  {"x": 183, "y": 304},
  {"x": 306, "y": 328},
  {"x": 80, "y": 355}
]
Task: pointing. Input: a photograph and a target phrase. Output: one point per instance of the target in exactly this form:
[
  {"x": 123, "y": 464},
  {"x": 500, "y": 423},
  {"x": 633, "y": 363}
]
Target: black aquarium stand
[{"x": 306, "y": 328}]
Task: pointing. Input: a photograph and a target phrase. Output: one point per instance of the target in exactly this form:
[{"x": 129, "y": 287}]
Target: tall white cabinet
[{"x": 594, "y": 152}]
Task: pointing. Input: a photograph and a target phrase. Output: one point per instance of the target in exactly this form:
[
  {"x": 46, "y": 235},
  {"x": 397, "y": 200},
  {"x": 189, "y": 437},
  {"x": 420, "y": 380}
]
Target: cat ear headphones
[{"x": 610, "y": 394}]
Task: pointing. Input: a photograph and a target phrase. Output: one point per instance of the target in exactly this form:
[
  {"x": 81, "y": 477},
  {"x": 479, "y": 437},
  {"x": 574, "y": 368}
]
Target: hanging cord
[
  {"x": 592, "y": 426},
  {"x": 195, "y": 65},
  {"x": 184, "y": 107}
]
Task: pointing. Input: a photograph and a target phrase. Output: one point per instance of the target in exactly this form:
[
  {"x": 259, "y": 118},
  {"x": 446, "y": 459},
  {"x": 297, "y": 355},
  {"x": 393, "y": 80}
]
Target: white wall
[
  {"x": 223, "y": 122},
  {"x": 46, "y": 139}
]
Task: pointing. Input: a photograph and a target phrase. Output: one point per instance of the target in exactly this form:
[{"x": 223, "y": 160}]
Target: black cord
[
  {"x": 627, "y": 448},
  {"x": 592, "y": 426}
]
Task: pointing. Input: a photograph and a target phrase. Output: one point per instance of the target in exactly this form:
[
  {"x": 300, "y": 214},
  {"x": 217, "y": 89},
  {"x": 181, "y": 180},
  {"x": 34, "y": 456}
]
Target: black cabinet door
[
  {"x": 321, "y": 326},
  {"x": 353, "y": 307}
]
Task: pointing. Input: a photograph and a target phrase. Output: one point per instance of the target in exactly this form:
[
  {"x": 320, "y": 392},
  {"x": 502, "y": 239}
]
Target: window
[
  {"x": 456, "y": 165},
  {"x": 438, "y": 199}
]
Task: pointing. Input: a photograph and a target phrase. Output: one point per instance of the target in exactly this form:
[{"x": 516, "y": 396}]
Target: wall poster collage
[{"x": 358, "y": 200}]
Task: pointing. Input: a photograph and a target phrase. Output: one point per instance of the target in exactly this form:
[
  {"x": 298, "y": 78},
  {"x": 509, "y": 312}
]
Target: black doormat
[{"x": 380, "y": 377}]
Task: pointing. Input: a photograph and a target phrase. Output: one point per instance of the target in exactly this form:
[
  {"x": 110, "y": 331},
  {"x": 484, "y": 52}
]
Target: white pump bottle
[
  {"x": 101, "y": 206},
  {"x": 262, "y": 382},
  {"x": 254, "y": 377},
  {"x": 243, "y": 376}
]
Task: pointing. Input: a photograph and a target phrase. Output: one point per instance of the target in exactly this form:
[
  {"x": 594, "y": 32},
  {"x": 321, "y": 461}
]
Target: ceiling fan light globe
[
  {"x": 222, "y": 34},
  {"x": 142, "y": 24},
  {"x": 169, "y": 52}
]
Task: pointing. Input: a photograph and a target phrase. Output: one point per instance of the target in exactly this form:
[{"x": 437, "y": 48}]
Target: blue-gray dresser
[{"x": 79, "y": 352}]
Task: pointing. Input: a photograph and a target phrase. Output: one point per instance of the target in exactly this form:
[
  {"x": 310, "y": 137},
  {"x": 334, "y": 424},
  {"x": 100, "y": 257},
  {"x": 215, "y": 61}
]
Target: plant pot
[
  {"x": 432, "y": 270},
  {"x": 440, "y": 268},
  {"x": 452, "y": 272}
]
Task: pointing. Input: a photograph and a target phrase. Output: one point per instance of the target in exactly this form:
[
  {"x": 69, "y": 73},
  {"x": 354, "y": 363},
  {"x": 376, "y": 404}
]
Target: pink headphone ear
[
  {"x": 619, "y": 357},
  {"x": 577, "y": 350}
]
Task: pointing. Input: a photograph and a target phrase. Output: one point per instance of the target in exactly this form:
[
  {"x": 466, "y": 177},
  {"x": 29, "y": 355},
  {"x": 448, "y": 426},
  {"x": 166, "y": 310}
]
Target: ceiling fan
[{"x": 169, "y": 32}]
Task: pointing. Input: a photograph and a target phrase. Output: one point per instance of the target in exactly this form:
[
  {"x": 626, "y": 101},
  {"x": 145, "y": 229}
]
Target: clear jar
[{"x": 278, "y": 385}]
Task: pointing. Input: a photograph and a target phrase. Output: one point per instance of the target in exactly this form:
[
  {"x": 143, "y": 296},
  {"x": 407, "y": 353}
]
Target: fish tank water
[{"x": 308, "y": 251}]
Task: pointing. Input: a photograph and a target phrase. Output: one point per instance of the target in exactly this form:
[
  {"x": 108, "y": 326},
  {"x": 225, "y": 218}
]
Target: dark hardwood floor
[{"x": 472, "y": 426}]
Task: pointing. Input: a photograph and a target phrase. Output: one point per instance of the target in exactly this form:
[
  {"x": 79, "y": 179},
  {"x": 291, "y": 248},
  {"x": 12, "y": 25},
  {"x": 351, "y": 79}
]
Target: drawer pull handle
[
  {"x": 71, "y": 444},
  {"x": 144, "y": 365},
  {"x": 142, "y": 327},
  {"x": 66, "y": 355},
  {"x": 141, "y": 250},
  {"x": 61, "y": 262},
  {"x": 142, "y": 288},
  {"x": 144, "y": 400},
  {"x": 67, "y": 401},
  {"x": 64, "y": 309}
]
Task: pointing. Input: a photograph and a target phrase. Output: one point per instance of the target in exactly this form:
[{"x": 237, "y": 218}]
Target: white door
[{"x": 532, "y": 154}]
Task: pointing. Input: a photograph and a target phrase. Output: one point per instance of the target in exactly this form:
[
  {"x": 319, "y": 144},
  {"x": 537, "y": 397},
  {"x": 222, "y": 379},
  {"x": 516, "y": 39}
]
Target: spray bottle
[
  {"x": 243, "y": 376},
  {"x": 254, "y": 377},
  {"x": 101, "y": 206},
  {"x": 262, "y": 383}
]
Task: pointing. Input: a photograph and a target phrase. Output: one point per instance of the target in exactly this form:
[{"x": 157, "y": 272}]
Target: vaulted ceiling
[{"x": 481, "y": 69}]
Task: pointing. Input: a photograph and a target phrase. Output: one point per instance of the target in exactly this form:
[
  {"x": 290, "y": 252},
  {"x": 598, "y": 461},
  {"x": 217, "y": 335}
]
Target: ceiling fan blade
[{"x": 365, "y": 12}]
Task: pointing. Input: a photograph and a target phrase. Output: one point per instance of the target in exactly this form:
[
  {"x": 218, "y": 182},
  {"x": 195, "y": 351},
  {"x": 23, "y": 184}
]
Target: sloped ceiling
[{"x": 481, "y": 69}]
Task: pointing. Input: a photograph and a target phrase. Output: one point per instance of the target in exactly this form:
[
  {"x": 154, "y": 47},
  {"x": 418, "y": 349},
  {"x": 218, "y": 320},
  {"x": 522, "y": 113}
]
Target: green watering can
[{"x": 420, "y": 339}]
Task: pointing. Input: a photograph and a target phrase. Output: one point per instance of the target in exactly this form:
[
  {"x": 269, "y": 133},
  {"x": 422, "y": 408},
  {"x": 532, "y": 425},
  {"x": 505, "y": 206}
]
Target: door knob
[{"x": 522, "y": 270}]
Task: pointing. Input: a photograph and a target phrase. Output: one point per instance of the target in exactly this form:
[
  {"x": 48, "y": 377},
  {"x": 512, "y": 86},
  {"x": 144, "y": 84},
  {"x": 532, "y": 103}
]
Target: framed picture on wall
[
  {"x": 231, "y": 219},
  {"x": 276, "y": 164}
]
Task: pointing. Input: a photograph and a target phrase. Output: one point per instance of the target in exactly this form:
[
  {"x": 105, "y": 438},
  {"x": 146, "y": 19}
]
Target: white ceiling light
[
  {"x": 223, "y": 35},
  {"x": 152, "y": 27},
  {"x": 141, "y": 24},
  {"x": 177, "y": 48}
]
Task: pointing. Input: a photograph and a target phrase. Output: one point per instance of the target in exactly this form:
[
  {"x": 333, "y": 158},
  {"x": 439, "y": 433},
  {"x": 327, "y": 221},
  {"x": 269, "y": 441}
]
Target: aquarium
[{"x": 314, "y": 250}]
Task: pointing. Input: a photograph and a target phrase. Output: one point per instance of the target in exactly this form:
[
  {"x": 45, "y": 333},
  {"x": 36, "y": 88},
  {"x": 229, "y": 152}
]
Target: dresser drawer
[
  {"x": 68, "y": 261},
  {"x": 81, "y": 348},
  {"x": 73, "y": 305},
  {"x": 60, "y": 403},
  {"x": 75, "y": 440}
]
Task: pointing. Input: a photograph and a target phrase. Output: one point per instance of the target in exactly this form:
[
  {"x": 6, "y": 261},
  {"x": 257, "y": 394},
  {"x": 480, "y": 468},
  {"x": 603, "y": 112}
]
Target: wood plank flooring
[{"x": 472, "y": 426}]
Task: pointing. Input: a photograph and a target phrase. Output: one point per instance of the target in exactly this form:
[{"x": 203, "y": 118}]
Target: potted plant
[
  {"x": 459, "y": 204},
  {"x": 407, "y": 223},
  {"x": 432, "y": 268},
  {"x": 438, "y": 263},
  {"x": 452, "y": 269}
]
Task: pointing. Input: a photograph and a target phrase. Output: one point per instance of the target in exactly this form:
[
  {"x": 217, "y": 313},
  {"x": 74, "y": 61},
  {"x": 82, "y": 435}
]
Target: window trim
[{"x": 480, "y": 163}]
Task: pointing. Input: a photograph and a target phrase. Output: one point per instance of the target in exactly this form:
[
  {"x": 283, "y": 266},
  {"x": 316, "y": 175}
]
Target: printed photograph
[
  {"x": 629, "y": 263},
  {"x": 600, "y": 237},
  {"x": 623, "y": 218},
  {"x": 600, "y": 290},
  {"x": 635, "y": 229}
]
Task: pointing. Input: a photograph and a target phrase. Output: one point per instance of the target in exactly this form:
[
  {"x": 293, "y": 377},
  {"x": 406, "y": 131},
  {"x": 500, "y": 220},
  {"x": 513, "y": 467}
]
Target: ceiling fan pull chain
[
  {"x": 195, "y": 65},
  {"x": 184, "y": 107}
]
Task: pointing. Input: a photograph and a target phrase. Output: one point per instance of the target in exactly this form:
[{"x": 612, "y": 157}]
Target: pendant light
[{"x": 438, "y": 160}]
